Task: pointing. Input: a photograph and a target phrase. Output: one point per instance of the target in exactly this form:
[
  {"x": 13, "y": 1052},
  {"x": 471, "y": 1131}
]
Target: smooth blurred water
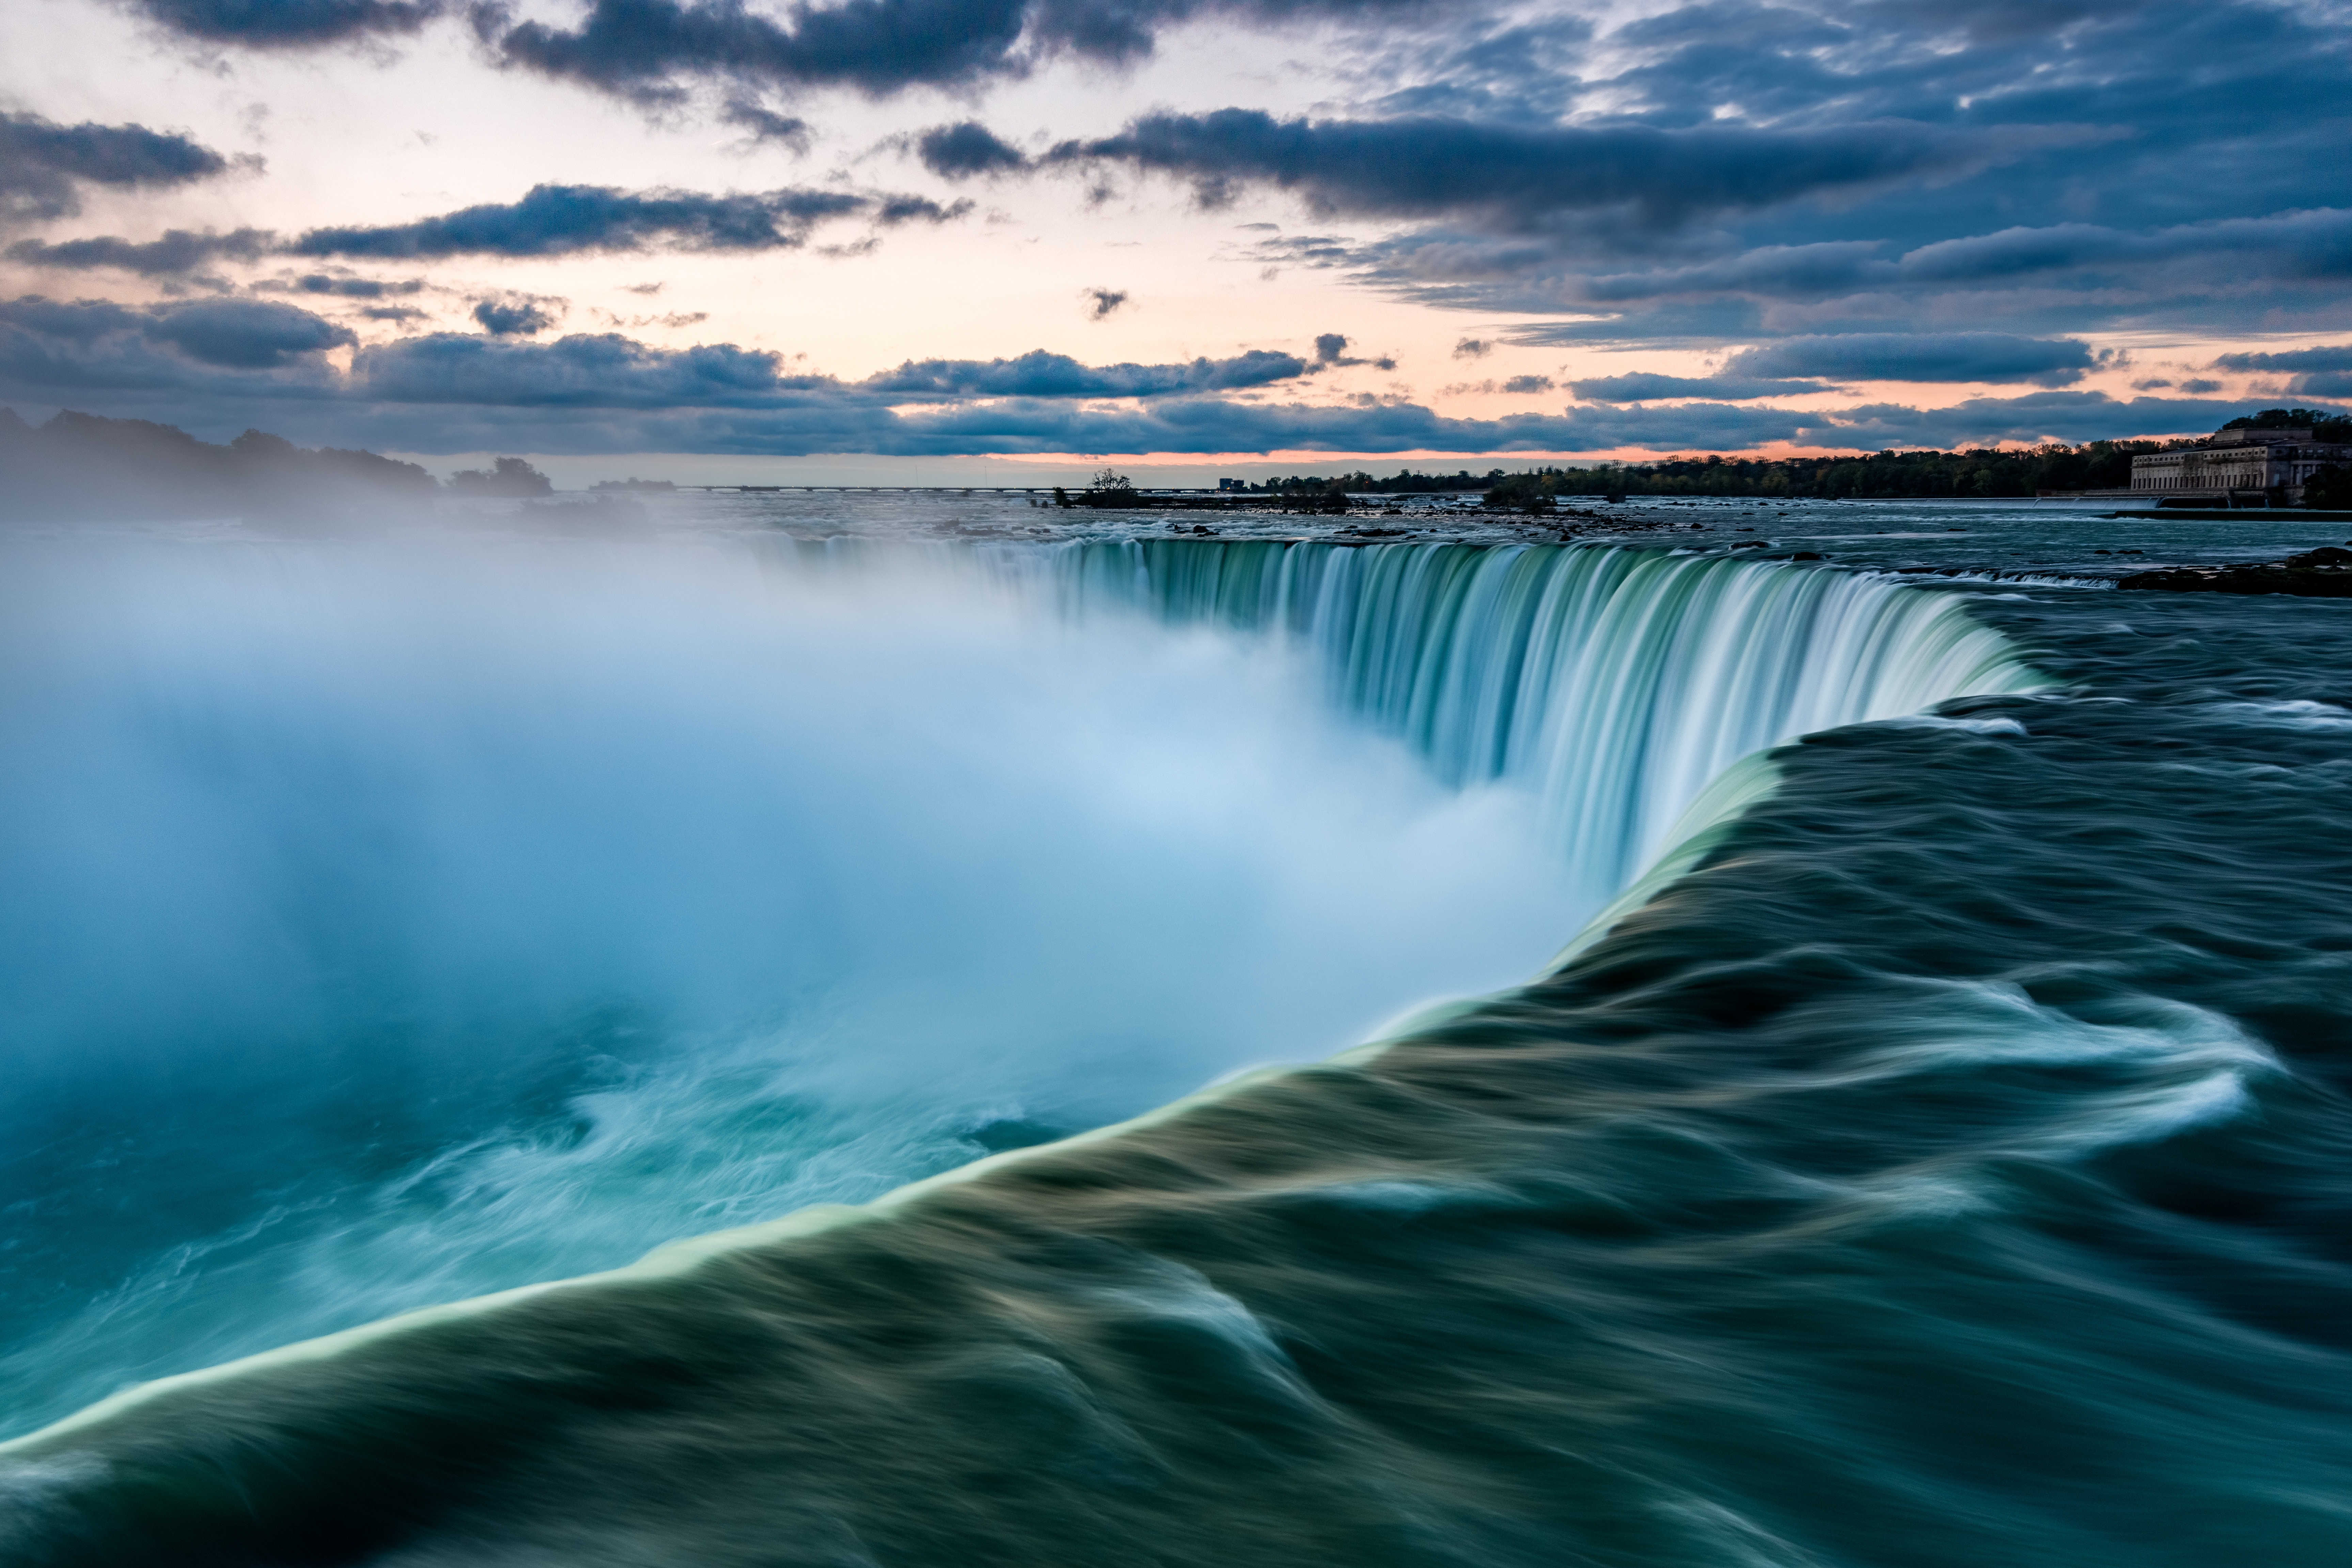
[
  {"x": 1942, "y": 1162},
  {"x": 1616, "y": 685}
]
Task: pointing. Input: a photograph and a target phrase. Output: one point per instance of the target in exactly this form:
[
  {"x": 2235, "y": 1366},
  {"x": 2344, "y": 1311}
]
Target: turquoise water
[{"x": 1947, "y": 1166}]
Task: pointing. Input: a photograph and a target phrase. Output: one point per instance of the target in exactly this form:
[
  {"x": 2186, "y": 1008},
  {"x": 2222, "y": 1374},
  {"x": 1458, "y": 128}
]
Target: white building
[{"x": 2237, "y": 465}]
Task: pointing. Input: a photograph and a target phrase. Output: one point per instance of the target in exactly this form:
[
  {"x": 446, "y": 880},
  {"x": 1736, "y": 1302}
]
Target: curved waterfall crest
[{"x": 1618, "y": 684}]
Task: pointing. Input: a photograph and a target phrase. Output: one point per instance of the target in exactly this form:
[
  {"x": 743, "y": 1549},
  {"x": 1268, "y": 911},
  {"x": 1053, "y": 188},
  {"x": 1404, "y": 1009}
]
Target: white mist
[{"x": 508, "y": 908}]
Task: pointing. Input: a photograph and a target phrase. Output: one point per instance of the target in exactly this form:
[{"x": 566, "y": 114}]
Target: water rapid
[
  {"x": 1615, "y": 685},
  {"x": 1936, "y": 1163}
]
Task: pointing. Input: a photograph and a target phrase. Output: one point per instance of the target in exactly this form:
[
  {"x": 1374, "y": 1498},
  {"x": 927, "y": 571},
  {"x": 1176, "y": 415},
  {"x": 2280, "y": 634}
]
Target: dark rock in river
[{"x": 2322, "y": 574}]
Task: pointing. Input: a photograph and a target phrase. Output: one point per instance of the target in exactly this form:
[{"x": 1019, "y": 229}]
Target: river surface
[{"x": 1452, "y": 1046}]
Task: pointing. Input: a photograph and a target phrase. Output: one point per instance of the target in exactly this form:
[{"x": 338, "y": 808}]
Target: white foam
[
  {"x": 2295, "y": 715},
  {"x": 1973, "y": 726},
  {"x": 2177, "y": 1067}
]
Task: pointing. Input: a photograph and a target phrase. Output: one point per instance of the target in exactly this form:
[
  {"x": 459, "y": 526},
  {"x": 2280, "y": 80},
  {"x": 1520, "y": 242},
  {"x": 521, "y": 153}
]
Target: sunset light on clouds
[
  {"x": 930, "y": 235},
  {"x": 1175, "y": 784}
]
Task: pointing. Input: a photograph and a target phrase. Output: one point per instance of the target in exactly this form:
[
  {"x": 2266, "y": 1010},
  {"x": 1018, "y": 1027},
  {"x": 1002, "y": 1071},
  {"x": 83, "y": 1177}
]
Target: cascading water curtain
[{"x": 1616, "y": 683}]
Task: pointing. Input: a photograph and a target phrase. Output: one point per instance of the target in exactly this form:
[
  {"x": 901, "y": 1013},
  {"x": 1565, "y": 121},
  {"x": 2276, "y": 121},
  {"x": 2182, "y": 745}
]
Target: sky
[{"x": 843, "y": 240}]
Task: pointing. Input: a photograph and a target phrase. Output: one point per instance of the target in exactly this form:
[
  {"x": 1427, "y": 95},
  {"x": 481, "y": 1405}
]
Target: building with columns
[{"x": 2236, "y": 467}]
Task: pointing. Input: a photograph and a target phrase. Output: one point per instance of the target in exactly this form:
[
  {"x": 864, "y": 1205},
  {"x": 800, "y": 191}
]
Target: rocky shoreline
[{"x": 2322, "y": 574}]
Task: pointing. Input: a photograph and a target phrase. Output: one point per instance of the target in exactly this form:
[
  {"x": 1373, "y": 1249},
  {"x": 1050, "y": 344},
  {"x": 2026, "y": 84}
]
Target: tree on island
[
  {"x": 1109, "y": 489},
  {"x": 2329, "y": 490},
  {"x": 83, "y": 466},
  {"x": 2325, "y": 426},
  {"x": 1531, "y": 493},
  {"x": 506, "y": 478}
]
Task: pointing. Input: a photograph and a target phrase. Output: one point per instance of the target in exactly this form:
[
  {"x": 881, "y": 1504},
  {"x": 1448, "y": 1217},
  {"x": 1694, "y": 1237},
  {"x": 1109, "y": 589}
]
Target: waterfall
[
  {"x": 795, "y": 886},
  {"x": 1617, "y": 684}
]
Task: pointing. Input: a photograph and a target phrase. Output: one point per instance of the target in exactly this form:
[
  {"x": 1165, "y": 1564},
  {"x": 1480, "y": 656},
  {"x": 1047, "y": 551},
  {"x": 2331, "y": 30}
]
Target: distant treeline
[
  {"x": 1981, "y": 473},
  {"x": 78, "y": 466},
  {"x": 1405, "y": 482}
]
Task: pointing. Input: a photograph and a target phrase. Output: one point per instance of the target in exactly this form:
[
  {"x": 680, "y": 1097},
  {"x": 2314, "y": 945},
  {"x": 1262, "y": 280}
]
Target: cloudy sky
[{"x": 1215, "y": 235}]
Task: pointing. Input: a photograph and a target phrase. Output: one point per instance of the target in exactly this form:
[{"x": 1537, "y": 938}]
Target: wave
[{"x": 1616, "y": 686}]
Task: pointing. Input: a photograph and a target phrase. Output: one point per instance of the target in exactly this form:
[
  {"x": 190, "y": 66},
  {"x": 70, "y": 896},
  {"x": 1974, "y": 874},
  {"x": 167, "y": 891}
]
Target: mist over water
[
  {"x": 1934, "y": 1154},
  {"x": 393, "y": 922}
]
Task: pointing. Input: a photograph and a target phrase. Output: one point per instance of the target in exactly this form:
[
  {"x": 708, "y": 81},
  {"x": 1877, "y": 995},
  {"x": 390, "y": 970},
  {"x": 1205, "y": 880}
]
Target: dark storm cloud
[
  {"x": 246, "y": 334},
  {"x": 2316, "y": 373},
  {"x": 1424, "y": 167},
  {"x": 2335, "y": 356},
  {"x": 1737, "y": 170},
  {"x": 643, "y": 48},
  {"x": 235, "y": 362},
  {"x": 1643, "y": 387},
  {"x": 1921, "y": 356},
  {"x": 2311, "y": 243},
  {"x": 290, "y": 24},
  {"x": 2071, "y": 417},
  {"x": 610, "y": 370},
  {"x": 179, "y": 250},
  {"x": 353, "y": 288},
  {"x": 559, "y": 220},
  {"x": 960, "y": 151},
  {"x": 766, "y": 124},
  {"x": 2068, "y": 277},
  {"x": 1331, "y": 350},
  {"x": 2066, "y": 174},
  {"x": 1042, "y": 375},
  {"x": 636, "y": 46},
  {"x": 514, "y": 318},
  {"x": 601, "y": 370},
  {"x": 51, "y": 348},
  {"x": 43, "y": 164},
  {"x": 891, "y": 211},
  {"x": 2306, "y": 247},
  {"x": 549, "y": 220}
]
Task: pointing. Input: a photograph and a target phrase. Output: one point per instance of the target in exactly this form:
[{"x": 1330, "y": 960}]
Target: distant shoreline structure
[
  {"x": 82, "y": 465},
  {"x": 2244, "y": 460}
]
